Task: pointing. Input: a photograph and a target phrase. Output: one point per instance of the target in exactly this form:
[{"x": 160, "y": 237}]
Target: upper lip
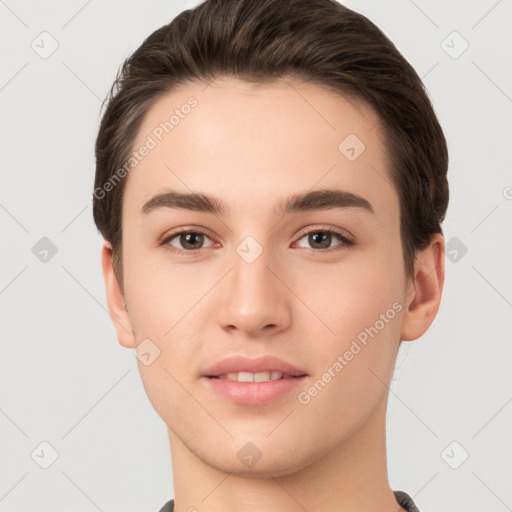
[{"x": 244, "y": 364}]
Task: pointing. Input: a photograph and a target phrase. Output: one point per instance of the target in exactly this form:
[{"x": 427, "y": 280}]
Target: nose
[{"x": 254, "y": 299}]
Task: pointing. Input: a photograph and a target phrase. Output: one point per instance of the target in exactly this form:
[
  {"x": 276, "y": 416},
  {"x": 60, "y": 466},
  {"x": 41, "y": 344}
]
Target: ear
[
  {"x": 115, "y": 300},
  {"x": 425, "y": 290}
]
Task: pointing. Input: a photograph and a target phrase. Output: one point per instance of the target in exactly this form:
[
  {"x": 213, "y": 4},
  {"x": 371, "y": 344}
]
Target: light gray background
[{"x": 66, "y": 381}]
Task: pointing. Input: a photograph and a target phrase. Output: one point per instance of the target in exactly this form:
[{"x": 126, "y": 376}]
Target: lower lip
[{"x": 254, "y": 393}]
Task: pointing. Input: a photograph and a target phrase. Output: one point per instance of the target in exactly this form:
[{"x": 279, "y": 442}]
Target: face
[{"x": 320, "y": 285}]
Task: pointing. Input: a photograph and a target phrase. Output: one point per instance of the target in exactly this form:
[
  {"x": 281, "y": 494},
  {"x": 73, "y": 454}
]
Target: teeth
[{"x": 254, "y": 377}]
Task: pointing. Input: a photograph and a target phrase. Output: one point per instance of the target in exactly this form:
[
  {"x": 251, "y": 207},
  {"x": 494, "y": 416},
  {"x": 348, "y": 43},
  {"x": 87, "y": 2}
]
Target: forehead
[
  {"x": 240, "y": 141},
  {"x": 262, "y": 110}
]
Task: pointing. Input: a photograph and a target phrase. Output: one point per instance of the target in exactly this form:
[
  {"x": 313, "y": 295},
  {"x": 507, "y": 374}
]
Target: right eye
[{"x": 189, "y": 239}]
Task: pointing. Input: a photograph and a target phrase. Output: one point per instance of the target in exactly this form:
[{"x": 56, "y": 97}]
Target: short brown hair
[{"x": 261, "y": 41}]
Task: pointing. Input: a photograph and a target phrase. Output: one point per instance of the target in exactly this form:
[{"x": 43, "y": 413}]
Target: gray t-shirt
[{"x": 402, "y": 498}]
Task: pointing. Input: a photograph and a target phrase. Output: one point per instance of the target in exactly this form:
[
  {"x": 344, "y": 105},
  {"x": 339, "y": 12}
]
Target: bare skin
[{"x": 296, "y": 300}]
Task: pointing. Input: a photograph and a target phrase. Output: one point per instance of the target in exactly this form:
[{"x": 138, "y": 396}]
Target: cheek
[
  {"x": 362, "y": 306},
  {"x": 353, "y": 364},
  {"x": 351, "y": 297},
  {"x": 168, "y": 307},
  {"x": 154, "y": 293},
  {"x": 166, "y": 388}
]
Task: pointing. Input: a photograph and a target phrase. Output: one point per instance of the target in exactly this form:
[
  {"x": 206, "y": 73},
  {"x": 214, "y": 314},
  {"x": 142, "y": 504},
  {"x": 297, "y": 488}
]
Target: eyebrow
[{"x": 324, "y": 199}]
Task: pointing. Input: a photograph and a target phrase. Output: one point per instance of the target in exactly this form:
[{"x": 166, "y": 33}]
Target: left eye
[{"x": 323, "y": 238}]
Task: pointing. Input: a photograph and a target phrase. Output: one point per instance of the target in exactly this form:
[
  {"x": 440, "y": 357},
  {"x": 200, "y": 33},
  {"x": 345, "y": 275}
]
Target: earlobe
[
  {"x": 425, "y": 291},
  {"x": 115, "y": 300}
]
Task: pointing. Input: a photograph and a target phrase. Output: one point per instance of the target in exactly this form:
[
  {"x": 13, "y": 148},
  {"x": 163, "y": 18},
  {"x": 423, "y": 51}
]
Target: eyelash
[{"x": 345, "y": 242}]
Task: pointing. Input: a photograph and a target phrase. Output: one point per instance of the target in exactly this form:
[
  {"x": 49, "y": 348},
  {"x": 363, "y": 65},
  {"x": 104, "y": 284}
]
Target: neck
[{"x": 350, "y": 477}]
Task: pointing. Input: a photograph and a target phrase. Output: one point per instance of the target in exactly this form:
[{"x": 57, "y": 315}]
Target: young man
[{"x": 270, "y": 184}]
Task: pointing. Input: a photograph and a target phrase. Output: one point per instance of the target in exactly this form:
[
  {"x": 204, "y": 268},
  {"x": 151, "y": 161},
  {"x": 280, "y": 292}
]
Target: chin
[
  {"x": 270, "y": 469},
  {"x": 273, "y": 465}
]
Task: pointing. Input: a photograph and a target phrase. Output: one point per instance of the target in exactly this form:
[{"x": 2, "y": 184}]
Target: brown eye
[
  {"x": 185, "y": 241},
  {"x": 321, "y": 239},
  {"x": 191, "y": 241}
]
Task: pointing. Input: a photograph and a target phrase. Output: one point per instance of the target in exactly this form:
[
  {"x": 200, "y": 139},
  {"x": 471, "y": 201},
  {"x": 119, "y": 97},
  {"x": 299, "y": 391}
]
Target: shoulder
[
  {"x": 405, "y": 501},
  {"x": 402, "y": 498},
  {"x": 168, "y": 507}
]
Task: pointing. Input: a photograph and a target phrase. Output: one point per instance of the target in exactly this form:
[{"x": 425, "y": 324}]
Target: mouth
[
  {"x": 246, "y": 381},
  {"x": 245, "y": 369},
  {"x": 255, "y": 389},
  {"x": 256, "y": 377}
]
